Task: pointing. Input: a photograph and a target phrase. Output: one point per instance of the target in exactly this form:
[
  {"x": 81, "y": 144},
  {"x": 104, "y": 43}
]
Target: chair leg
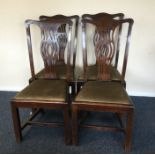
[
  {"x": 120, "y": 118},
  {"x": 74, "y": 125},
  {"x": 16, "y": 122},
  {"x": 66, "y": 126},
  {"x": 73, "y": 89},
  {"x": 33, "y": 110},
  {"x": 129, "y": 131}
]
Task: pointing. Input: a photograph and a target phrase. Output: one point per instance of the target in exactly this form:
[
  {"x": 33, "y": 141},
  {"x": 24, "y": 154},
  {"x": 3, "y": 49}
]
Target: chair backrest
[
  {"x": 105, "y": 40},
  {"x": 107, "y": 16},
  {"x": 75, "y": 20},
  {"x": 103, "y": 15},
  {"x": 53, "y": 42}
]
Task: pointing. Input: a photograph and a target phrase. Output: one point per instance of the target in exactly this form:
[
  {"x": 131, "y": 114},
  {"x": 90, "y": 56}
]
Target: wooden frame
[
  {"x": 102, "y": 27},
  {"x": 105, "y": 20},
  {"x": 105, "y": 16},
  {"x": 50, "y": 40},
  {"x": 127, "y": 130},
  {"x": 15, "y": 105}
]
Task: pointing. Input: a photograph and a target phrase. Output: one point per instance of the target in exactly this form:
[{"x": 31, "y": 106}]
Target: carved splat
[
  {"x": 62, "y": 28},
  {"x": 105, "y": 43},
  {"x": 106, "y": 16}
]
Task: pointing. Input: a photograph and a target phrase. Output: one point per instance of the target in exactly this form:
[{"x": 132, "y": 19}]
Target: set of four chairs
[{"x": 100, "y": 87}]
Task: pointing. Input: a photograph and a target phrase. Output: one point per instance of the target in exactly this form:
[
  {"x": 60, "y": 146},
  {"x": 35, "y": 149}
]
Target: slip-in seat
[
  {"x": 44, "y": 90},
  {"x": 103, "y": 93}
]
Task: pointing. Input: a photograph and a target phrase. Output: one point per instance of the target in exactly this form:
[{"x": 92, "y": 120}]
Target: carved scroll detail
[
  {"x": 53, "y": 44},
  {"x": 104, "y": 50}
]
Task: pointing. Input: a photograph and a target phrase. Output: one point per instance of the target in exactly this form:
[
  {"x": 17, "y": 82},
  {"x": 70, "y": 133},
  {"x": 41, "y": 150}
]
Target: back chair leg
[
  {"x": 120, "y": 118},
  {"x": 74, "y": 125},
  {"x": 16, "y": 122},
  {"x": 33, "y": 110},
  {"x": 128, "y": 131}
]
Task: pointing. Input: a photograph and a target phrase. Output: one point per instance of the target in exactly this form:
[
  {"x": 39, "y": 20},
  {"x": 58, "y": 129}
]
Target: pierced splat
[
  {"x": 53, "y": 44},
  {"x": 106, "y": 16},
  {"x": 63, "y": 28},
  {"x": 105, "y": 41}
]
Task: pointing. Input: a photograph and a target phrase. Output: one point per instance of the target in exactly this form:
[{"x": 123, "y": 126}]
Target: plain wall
[{"x": 14, "y": 62}]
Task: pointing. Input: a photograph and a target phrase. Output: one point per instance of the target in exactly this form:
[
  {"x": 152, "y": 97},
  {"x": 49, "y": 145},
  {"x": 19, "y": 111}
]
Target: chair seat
[
  {"x": 92, "y": 73},
  {"x": 44, "y": 90},
  {"x": 103, "y": 93},
  {"x": 60, "y": 71}
]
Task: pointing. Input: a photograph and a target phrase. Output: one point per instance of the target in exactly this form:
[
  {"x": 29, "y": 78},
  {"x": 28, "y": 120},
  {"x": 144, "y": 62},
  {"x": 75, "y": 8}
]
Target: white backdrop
[{"x": 14, "y": 62}]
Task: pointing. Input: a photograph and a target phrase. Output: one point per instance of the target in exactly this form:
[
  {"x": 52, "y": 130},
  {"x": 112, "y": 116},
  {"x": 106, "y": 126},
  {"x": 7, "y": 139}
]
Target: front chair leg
[
  {"x": 16, "y": 122},
  {"x": 128, "y": 131},
  {"x": 74, "y": 125}
]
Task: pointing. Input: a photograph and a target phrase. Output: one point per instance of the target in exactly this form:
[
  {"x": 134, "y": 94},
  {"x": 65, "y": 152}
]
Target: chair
[
  {"x": 104, "y": 94},
  {"x": 63, "y": 28},
  {"x": 61, "y": 69},
  {"x": 47, "y": 92},
  {"x": 91, "y": 67}
]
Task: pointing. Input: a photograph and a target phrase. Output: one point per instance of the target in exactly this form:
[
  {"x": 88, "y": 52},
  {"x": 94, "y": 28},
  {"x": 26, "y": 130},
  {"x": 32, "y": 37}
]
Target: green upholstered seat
[
  {"x": 103, "y": 92},
  {"x": 44, "y": 90},
  {"x": 92, "y": 73}
]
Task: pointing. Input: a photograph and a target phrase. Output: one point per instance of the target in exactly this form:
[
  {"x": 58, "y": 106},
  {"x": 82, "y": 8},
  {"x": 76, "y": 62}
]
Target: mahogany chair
[
  {"x": 47, "y": 92},
  {"x": 104, "y": 94},
  {"x": 90, "y": 29},
  {"x": 64, "y": 28}
]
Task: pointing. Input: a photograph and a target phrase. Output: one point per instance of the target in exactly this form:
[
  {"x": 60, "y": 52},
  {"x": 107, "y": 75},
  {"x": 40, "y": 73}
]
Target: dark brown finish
[
  {"x": 61, "y": 69},
  {"x": 107, "y": 16},
  {"x": 104, "y": 43},
  {"x": 75, "y": 19},
  {"x": 104, "y": 94},
  {"x": 63, "y": 39},
  {"x": 21, "y": 104},
  {"x": 76, "y": 107},
  {"x": 47, "y": 93},
  {"x": 116, "y": 49},
  {"x": 52, "y": 41}
]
